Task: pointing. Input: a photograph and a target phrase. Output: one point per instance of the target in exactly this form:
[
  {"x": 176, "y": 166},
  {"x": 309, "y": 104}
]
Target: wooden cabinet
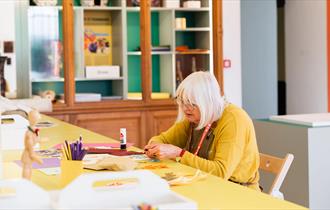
[
  {"x": 141, "y": 124},
  {"x": 142, "y": 118},
  {"x": 109, "y": 124},
  {"x": 160, "y": 121},
  {"x": 65, "y": 118}
]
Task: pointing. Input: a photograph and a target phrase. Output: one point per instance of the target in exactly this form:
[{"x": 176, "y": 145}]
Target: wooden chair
[{"x": 277, "y": 166}]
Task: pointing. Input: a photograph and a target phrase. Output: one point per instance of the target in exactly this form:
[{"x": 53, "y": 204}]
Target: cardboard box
[
  {"x": 171, "y": 3},
  {"x": 13, "y": 130},
  {"x": 102, "y": 72},
  {"x": 121, "y": 190}
]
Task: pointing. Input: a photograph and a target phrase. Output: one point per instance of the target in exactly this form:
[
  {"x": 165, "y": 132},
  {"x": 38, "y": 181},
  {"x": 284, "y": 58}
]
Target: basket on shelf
[{"x": 136, "y": 3}]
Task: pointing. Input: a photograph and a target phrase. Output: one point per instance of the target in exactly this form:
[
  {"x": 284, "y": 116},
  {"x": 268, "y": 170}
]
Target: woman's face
[{"x": 191, "y": 112}]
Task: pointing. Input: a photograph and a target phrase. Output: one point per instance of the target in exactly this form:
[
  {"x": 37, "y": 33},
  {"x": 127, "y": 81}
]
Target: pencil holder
[{"x": 70, "y": 169}]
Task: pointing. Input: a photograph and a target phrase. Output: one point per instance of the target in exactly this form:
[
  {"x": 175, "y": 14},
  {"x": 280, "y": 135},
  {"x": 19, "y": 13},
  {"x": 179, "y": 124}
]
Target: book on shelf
[
  {"x": 154, "y": 95},
  {"x": 97, "y": 38},
  {"x": 99, "y": 72},
  {"x": 183, "y": 49}
]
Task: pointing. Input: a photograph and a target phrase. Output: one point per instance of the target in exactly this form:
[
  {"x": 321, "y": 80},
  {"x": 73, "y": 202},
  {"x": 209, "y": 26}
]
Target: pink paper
[
  {"x": 109, "y": 145},
  {"x": 47, "y": 163}
]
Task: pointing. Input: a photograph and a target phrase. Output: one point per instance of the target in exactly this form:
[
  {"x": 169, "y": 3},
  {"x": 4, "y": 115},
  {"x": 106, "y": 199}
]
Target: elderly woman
[{"x": 210, "y": 134}]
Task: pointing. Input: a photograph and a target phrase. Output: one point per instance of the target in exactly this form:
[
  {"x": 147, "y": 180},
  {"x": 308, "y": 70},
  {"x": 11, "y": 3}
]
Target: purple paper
[{"x": 47, "y": 163}]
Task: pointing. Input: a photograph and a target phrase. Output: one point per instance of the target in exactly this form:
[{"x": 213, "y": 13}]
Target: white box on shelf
[
  {"x": 180, "y": 23},
  {"x": 171, "y": 3},
  {"x": 99, "y": 72},
  {"x": 13, "y": 128},
  {"x": 85, "y": 97},
  {"x": 192, "y": 4}
]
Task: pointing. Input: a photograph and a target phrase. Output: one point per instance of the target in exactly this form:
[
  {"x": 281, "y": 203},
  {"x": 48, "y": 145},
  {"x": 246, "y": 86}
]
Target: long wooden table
[{"x": 210, "y": 193}]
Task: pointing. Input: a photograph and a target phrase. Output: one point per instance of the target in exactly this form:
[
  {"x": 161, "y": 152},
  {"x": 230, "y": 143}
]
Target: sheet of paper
[
  {"x": 314, "y": 120},
  {"x": 50, "y": 171},
  {"x": 45, "y": 124},
  {"x": 47, "y": 163}
]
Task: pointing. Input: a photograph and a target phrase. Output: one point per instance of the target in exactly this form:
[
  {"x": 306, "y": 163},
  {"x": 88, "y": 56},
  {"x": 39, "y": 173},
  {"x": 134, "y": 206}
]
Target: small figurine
[{"x": 30, "y": 139}]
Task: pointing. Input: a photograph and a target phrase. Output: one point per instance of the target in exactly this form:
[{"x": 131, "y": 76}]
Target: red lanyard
[{"x": 207, "y": 128}]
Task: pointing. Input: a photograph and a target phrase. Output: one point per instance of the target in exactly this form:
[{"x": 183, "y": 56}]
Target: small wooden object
[{"x": 30, "y": 139}]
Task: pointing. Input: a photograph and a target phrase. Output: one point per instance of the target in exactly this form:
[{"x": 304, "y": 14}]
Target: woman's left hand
[{"x": 162, "y": 151}]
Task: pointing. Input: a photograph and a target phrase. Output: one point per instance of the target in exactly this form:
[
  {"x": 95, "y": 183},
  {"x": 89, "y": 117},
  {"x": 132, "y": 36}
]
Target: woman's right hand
[{"x": 162, "y": 151}]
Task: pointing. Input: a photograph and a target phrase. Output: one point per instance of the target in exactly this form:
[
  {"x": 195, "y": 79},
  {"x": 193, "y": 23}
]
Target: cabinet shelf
[
  {"x": 152, "y": 53},
  {"x": 137, "y": 9},
  {"x": 133, "y": 9},
  {"x": 76, "y": 79},
  {"x": 193, "y": 53},
  {"x": 194, "y": 29},
  {"x": 98, "y": 8},
  {"x": 45, "y": 7},
  {"x": 192, "y": 9}
]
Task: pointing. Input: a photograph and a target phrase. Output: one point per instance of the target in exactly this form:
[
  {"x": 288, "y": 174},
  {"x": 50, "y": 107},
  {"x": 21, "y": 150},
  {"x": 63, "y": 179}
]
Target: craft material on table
[
  {"x": 45, "y": 124},
  {"x": 116, "y": 152},
  {"x": 115, "y": 183},
  {"x": 154, "y": 166},
  {"x": 121, "y": 190},
  {"x": 144, "y": 206},
  {"x": 73, "y": 151},
  {"x": 46, "y": 163},
  {"x": 108, "y": 162},
  {"x": 177, "y": 179},
  {"x": 50, "y": 171},
  {"x": 123, "y": 140},
  {"x": 49, "y": 153},
  {"x": 140, "y": 158}
]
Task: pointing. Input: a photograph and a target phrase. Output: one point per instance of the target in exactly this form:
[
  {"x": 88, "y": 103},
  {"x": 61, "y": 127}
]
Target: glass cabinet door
[
  {"x": 107, "y": 48},
  {"x": 193, "y": 39},
  {"x": 162, "y": 52},
  {"x": 133, "y": 53},
  {"x": 181, "y": 38},
  {"x": 99, "y": 70},
  {"x": 46, "y": 50}
]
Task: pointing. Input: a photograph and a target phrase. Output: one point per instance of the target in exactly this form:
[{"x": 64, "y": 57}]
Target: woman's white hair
[{"x": 201, "y": 89}]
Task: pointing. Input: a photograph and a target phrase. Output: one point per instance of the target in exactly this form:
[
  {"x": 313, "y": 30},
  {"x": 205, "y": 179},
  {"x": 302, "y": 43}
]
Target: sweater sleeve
[
  {"x": 177, "y": 135},
  {"x": 228, "y": 147}
]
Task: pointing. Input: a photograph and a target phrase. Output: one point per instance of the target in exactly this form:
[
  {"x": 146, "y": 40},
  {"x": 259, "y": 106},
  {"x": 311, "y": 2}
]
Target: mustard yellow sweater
[{"x": 234, "y": 153}]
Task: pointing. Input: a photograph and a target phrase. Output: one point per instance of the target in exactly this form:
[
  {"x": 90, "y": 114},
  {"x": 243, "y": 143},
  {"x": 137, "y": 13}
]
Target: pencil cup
[{"x": 70, "y": 169}]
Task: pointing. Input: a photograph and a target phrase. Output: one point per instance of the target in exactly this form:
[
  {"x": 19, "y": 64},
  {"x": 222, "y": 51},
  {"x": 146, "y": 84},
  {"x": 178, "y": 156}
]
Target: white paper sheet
[{"x": 314, "y": 120}]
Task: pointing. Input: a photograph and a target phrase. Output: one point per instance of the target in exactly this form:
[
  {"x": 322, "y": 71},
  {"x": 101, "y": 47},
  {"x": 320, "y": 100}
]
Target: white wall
[
  {"x": 7, "y": 33},
  {"x": 232, "y": 50},
  {"x": 259, "y": 57},
  {"x": 306, "y": 61}
]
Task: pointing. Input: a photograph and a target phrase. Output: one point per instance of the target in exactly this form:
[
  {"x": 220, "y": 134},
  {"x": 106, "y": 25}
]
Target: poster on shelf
[{"x": 97, "y": 38}]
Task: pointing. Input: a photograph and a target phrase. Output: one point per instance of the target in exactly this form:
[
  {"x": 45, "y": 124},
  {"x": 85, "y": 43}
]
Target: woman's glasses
[{"x": 186, "y": 105}]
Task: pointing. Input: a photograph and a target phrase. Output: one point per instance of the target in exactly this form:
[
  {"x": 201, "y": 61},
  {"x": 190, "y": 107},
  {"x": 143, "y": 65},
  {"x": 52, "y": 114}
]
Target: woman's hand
[{"x": 162, "y": 151}]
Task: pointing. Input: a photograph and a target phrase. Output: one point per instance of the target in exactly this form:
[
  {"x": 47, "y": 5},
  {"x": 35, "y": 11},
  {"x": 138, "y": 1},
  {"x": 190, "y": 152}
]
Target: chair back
[{"x": 277, "y": 166}]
